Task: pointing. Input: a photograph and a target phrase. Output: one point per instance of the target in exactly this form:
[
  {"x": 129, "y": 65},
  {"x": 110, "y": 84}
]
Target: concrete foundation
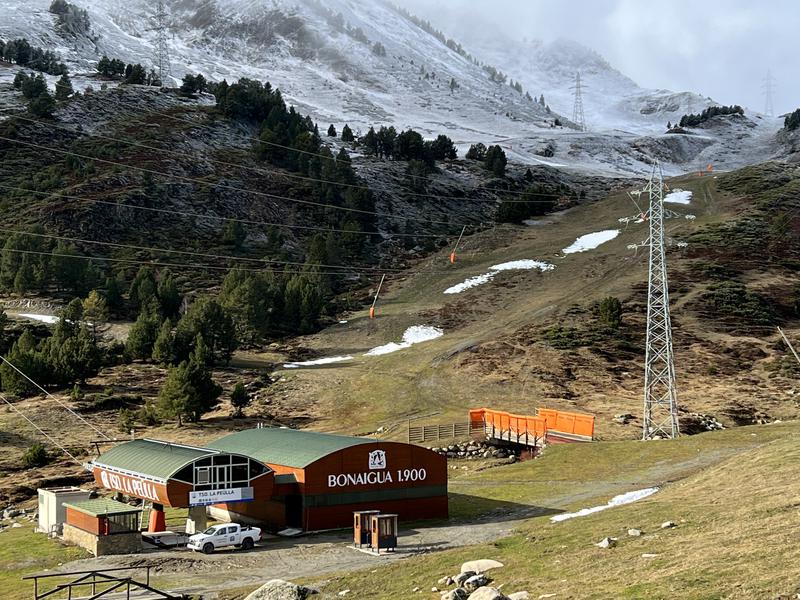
[
  {"x": 119, "y": 543},
  {"x": 197, "y": 521}
]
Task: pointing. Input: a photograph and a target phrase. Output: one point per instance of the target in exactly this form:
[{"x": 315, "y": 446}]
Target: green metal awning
[
  {"x": 151, "y": 458},
  {"x": 288, "y": 447},
  {"x": 102, "y": 507}
]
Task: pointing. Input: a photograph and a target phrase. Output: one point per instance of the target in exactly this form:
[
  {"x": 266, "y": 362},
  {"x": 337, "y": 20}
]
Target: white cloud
[{"x": 718, "y": 50}]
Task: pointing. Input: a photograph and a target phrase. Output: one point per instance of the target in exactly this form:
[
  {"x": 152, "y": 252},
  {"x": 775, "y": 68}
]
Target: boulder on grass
[
  {"x": 607, "y": 542},
  {"x": 487, "y": 593},
  {"x": 278, "y": 589},
  {"x": 475, "y": 582},
  {"x": 456, "y": 594},
  {"x": 519, "y": 596},
  {"x": 462, "y": 577},
  {"x": 480, "y": 566}
]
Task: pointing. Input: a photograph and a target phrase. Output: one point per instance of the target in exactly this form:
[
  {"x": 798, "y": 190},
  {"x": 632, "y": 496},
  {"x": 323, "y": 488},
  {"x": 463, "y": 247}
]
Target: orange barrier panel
[
  {"x": 566, "y": 422},
  {"x": 508, "y": 422}
]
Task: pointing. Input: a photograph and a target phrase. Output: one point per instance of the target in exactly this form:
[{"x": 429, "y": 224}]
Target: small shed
[
  {"x": 52, "y": 513},
  {"x": 103, "y": 526}
]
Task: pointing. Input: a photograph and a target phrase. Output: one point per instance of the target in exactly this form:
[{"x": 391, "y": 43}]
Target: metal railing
[
  {"x": 419, "y": 434},
  {"x": 100, "y": 583}
]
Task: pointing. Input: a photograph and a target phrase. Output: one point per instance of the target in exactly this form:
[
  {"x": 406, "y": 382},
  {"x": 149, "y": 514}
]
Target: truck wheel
[
  {"x": 247, "y": 544},
  {"x": 208, "y": 548}
]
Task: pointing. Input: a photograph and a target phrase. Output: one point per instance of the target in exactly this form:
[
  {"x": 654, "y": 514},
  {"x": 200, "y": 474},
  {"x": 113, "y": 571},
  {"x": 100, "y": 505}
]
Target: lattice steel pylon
[
  {"x": 769, "y": 93},
  {"x": 162, "y": 48},
  {"x": 577, "y": 110},
  {"x": 660, "y": 390}
]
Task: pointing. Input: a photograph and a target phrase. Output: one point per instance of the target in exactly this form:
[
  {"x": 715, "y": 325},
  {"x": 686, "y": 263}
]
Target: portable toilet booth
[
  {"x": 384, "y": 533},
  {"x": 52, "y": 514},
  {"x": 362, "y": 523}
]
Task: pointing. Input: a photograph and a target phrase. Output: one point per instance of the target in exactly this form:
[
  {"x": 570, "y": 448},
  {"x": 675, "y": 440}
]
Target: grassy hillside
[
  {"x": 735, "y": 513},
  {"x": 531, "y": 339}
]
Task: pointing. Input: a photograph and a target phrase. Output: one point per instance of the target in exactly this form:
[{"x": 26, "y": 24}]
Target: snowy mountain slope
[
  {"x": 611, "y": 100},
  {"x": 365, "y": 63},
  {"x": 301, "y": 48}
]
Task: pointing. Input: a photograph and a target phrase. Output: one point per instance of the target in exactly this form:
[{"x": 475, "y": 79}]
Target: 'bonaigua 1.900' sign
[{"x": 378, "y": 474}]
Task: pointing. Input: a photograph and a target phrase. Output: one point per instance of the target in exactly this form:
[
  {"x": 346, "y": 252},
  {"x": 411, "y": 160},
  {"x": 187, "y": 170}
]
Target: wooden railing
[{"x": 419, "y": 434}]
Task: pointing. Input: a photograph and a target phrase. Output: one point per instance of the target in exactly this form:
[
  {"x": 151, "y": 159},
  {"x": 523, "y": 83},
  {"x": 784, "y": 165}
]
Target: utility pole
[
  {"x": 162, "y": 48},
  {"x": 788, "y": 343},
  {"x": 577, "y": 110},
  {"x": 769, "y": 91},
  {"x": 660, "y": 393}
]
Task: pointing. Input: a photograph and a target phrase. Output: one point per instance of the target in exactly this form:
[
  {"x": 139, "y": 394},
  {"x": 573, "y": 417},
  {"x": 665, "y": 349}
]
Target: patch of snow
[
  {"x": 516, "y": 265},
  {"x": 413, "y": 335},
  {"x": 49, "y": 319},
  {"x": 342, "y": 322},
  {"x": 620, "y": 500},
  {"x": 590, "y": 241},
  {"x": 679, "y": 197},
  {"x": 319, "y": 361}
]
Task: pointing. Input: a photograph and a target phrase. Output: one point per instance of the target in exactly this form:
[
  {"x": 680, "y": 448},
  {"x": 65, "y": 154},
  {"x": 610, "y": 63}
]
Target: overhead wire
[
  {"x": 326, "y": 157},
  {"x": 201, "y": 216},
  {"x": 285, "y": 173},
  {"x": 227, "y": 187},
  {"x": 40, "y": 430}
]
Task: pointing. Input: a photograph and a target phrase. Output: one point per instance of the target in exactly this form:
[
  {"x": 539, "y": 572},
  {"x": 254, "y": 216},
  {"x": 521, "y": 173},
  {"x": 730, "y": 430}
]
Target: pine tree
[
  {"x": 347, "y": 134},
  {"x": 163, "y": 348},
  {"x": 143, "y": 288},
  {"x": 611, "y": 312},
  {"x": 240, "y": 399},
  {"x": 64, "y": 88},
  {"x": 206, "y": 390},
  {"x": 176, "y": 393},
  {"x": 332, "y": 131},
  {"x": 234, "y": 234},
  {"x": 168, "y": 295},
  {"x": 95, "y": 310},
  {"x": 142, "y": 336},
  {"x": 113, "y": 294}
]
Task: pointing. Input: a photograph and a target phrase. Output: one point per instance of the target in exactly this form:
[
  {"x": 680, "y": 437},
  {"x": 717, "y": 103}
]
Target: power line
[
  {"x": 333, "y": 158},
  {"x": 188, "y": 252},
  {"x": 194, "y": 215},
  {"x": 40, "y": 430},
  {"x": 227, "y": 187},
  {"x": 49, "y": 395},
  {"x": 201, "y": 267},
  {"x": 283, "y": 173}
]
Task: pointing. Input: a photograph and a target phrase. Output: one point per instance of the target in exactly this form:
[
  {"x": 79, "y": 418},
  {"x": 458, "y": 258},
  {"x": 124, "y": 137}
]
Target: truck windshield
[{"x": 210, "y": 531}]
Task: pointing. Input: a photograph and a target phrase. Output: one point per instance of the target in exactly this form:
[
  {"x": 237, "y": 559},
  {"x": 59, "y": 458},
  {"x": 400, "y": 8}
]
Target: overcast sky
[{"x": 719, "y": 49}]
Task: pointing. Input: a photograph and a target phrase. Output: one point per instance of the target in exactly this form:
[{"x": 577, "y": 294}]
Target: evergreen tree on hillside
[
  {"x": 347, "y": 134},
  {"x": 207, "y": 391},
  {"x": 240, "y": 399},
  {"x": 496, "y": 161},
  {"x": 142, "y": 335},
  {"x": 332, "y": 131},
  {"x": 234, "y": 234},
  {"x": 476, "y": 152},
  {"x": 169, "y": 298},
  {"x": 163, "y": 347},
  {"x": 64, "y": 88},
  {"x": 176, "y": 394}
]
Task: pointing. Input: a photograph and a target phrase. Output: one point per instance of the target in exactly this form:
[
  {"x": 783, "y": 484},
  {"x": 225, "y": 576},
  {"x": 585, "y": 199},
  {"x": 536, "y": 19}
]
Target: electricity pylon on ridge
[
  {"x": 769, "y": 93},
  {"x": 577, "y": 110},
  {"x": 162, "y": 48},
  {"x": 660, "y": 390}
]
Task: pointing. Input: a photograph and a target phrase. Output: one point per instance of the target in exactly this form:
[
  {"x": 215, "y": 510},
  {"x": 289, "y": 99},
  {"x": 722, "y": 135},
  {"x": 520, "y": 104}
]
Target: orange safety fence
[
  {"x": 566, "y": 422},
  {"x": 546, "y": 420},
  {"x": 508, "y": 422}
]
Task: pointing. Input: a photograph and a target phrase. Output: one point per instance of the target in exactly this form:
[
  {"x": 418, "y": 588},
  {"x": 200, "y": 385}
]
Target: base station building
[{"x": 281, "y": 478}]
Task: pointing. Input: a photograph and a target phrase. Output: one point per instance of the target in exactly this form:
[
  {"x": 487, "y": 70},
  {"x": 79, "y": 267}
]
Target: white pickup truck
[{"x": 223, "y": 536}]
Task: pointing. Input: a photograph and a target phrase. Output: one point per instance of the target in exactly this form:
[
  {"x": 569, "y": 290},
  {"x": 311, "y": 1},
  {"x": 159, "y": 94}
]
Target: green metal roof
[
  {"x": 152, "y": 458},
  {"x": 101, "y": 507},
  {"x": 287, "y": 447}
]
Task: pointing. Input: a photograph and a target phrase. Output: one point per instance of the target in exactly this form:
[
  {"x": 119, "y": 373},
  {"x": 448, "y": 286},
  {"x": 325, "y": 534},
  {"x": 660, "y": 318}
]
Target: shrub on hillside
[{"x": 35, "y": 456}]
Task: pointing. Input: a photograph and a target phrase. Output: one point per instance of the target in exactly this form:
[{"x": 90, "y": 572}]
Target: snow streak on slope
[
  {"x": 493, "y": 271},
  {"x": 679, "y": 197},
  {"x": 590, "y": 241},
  {"x": 319, "y": 361},
  {"x": 413, "y": 335},
  {"x": 620, "y": 500}
]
